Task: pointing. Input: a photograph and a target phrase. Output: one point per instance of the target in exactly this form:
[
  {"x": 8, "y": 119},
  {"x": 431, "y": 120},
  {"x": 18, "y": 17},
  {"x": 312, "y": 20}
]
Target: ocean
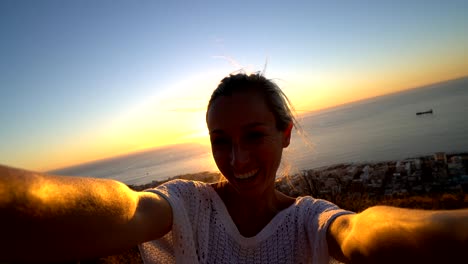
[{"x": 376, "y": 129}]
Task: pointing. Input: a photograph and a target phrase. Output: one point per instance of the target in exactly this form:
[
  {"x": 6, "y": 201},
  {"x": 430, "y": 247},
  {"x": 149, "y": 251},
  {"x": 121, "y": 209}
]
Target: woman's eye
[
  {"x": 220, "y": 142},
  {"x": 255, "y": 136}
]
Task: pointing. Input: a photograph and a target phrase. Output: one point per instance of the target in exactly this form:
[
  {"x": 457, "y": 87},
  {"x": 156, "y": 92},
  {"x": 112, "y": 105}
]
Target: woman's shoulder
[
  {"x": 310, "y": 203},
  {"x": 180, "y": 187},
  {"x": 185, "y": 183},
  {"x": 319, "y": 210}
]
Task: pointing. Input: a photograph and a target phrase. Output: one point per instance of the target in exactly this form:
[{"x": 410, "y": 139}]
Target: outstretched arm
[
  {"x": 384, "y": 234},
  {"x": 57, "y": 218}
]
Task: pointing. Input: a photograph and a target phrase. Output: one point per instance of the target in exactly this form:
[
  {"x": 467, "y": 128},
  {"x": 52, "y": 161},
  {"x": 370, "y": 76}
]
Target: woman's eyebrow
[
  {"x": 216, "y": 131},
  {"x": 254, "y": 124}
]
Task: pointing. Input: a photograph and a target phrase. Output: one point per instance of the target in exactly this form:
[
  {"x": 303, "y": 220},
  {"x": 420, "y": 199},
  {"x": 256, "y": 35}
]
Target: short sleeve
[
  {"x": 188, "y": 202},
  {"x": 320, "y": 214}
]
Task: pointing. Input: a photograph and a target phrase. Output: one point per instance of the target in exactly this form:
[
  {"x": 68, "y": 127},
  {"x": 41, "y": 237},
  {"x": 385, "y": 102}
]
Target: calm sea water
[
  {"x": 377, "y": 129},
  {"x": 144, "y": 167},
  {"x": 387, "y": 127}
]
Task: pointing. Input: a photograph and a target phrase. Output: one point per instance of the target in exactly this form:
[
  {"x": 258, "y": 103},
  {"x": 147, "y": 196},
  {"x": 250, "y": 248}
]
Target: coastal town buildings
[
  {"x": 436, "y": 174},
  {"x": 439, "y": 173}
]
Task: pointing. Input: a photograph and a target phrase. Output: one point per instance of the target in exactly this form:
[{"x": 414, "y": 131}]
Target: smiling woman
[
  {"x": 243, "y": 219},
  {"x": 249, "y": 147}
]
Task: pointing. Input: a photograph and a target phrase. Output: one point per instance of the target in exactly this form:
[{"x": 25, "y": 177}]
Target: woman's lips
[{"x": 245, "y": 175}]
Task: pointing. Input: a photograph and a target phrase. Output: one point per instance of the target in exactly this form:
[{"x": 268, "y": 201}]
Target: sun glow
[
  {"x": 173, "y": 117},
  {"x": 314, "y": 90}
]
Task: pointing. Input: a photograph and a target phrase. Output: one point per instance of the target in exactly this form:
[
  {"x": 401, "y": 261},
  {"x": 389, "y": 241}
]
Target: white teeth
[{"x": 246, "y": 175}]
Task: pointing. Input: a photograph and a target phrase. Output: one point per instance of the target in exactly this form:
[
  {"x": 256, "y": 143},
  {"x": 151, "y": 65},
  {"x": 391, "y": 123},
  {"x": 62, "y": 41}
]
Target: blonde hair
[{"x": 276, "y": 100}]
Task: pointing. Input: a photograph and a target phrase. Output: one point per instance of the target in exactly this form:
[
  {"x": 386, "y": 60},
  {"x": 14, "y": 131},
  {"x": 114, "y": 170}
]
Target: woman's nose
[{"x": 239, "y": 156}]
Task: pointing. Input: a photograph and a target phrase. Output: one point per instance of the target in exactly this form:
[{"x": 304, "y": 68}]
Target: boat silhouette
[{"x": 425, "y": 112}]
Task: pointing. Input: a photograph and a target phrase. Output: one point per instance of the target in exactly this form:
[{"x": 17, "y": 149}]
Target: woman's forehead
[{"x": 238, "y": 111}]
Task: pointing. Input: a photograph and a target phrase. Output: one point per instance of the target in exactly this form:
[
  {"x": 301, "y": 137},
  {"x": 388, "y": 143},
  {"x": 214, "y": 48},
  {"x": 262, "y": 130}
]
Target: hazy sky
[{"x": 83, "y": 80}]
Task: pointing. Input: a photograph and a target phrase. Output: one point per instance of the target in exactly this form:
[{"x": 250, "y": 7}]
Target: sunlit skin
[
  {"x": 248, "y": 145},
  {"x": 383, "y": 234},
  {"x": 49, "y": 218}
]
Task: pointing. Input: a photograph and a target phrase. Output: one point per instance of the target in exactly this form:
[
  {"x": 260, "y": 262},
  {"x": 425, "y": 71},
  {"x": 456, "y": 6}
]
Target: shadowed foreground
[{"x": 352, "y": 196}]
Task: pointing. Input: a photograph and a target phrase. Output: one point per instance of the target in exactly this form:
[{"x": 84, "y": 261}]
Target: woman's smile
[
  {"x": 247, "y": 149},
  {"x": 246, "y": 175}
]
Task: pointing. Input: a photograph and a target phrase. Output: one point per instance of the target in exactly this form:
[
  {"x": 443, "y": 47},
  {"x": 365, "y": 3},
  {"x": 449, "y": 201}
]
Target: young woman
[{"x": 241, "y": 220}]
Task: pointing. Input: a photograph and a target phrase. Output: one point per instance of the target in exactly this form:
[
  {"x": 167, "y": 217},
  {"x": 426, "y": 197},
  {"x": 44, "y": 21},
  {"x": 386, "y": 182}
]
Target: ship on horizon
[{"x": 425, "y": 112}]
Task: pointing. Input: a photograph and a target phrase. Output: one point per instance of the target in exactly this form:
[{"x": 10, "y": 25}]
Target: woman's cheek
[{"x": 220, "y": 156}]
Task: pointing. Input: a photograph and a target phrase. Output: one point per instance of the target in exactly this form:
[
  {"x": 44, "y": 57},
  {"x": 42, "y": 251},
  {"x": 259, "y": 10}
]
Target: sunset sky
[{"x": 85, "y": 80}]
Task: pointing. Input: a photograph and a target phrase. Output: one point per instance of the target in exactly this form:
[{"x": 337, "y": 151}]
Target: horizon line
[{"x": 303, "y": 112}]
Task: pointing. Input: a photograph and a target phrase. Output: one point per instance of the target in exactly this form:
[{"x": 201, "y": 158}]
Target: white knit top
[{"x": 204, "y": 232}]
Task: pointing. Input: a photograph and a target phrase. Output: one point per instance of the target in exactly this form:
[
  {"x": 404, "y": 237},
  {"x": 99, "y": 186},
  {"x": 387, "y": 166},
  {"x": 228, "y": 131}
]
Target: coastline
[{"x": 371, "y": 183}]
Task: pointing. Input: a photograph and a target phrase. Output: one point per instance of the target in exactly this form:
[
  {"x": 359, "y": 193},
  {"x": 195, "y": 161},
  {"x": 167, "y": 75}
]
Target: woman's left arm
[{"x": 384, "y": 234}]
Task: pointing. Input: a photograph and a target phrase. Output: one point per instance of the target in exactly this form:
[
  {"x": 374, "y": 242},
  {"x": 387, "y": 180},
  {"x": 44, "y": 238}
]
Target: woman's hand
[
  {"x": 384, "y": 234},
  {"x": 57, "y": 218}
]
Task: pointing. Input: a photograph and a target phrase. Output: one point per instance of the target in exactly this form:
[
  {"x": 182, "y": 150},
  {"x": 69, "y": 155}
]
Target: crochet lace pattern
[{"x": 203, "y": 231}]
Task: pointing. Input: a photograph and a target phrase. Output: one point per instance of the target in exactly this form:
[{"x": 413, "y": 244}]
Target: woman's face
[{"x": 245, "y": 142}]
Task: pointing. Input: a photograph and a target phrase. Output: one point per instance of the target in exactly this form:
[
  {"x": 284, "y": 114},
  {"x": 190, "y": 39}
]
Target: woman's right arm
[
  {"x": 45, "y": 218},
  {"x": 385, "y": 234}
]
